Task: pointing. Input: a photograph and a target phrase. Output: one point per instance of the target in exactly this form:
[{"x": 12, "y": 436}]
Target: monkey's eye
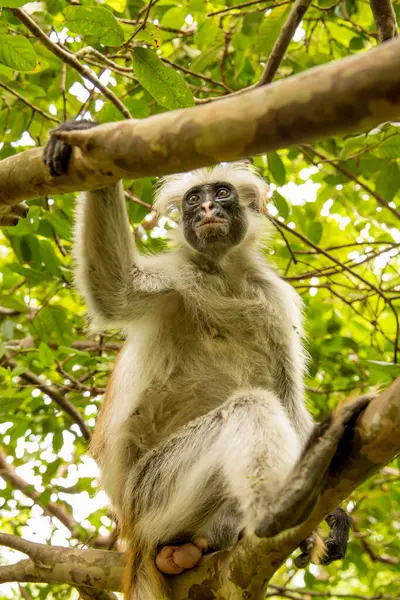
[
  {"x": 192, "y": 199},
  {"x": 222, "y": 192}
]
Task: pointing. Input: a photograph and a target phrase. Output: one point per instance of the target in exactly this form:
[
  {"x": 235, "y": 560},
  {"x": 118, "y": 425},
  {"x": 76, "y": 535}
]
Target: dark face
[{"x": 213, "y": 219}]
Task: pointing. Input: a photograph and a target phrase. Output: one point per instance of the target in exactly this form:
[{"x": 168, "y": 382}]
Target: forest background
[{"x": 336, "y": 240}]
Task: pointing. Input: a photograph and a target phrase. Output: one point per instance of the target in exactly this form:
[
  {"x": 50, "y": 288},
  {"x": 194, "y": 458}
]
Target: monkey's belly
[{"x": 190, "y": 394}]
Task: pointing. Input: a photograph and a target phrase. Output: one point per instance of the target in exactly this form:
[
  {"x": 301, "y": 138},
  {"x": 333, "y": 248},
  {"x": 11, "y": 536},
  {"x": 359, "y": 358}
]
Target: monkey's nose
[{"x": 208, "y": 207}]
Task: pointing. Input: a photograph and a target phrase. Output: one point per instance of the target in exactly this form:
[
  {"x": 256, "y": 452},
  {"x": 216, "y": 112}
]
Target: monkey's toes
[{"x": 173, "y": 560}]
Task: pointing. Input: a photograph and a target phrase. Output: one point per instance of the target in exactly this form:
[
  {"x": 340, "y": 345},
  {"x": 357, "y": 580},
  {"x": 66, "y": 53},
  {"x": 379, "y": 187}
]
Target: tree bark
[
  {"x": 385, "y": 19},
  {"x": 350, "y": 95},
  {"x": 361, "y": 437}
]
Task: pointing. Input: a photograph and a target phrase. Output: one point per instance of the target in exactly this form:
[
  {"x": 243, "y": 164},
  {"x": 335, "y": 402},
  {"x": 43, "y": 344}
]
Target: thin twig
[
  {"x": 283, "y": 41},
  {"x": 143, "y": 24},
  {"x": 54, "y": 394},
  {"x": 64, "y": 88},
  {"x": 195, "y": 74},
  {"x": 52, "y": 509},
  {"x": 70, "y": 59},
  {"x": 32, "y": 106},
  {"x": 244, "y": 4},
  {"x": 350, "y": 175},
  {"x": 294, "y": 594}
]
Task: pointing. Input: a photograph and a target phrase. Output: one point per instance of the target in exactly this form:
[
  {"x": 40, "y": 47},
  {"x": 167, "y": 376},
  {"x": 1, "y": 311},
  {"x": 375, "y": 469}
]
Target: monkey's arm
[
  {"x": 289, "y": 357},
  {"x": 117, "y": 290}
]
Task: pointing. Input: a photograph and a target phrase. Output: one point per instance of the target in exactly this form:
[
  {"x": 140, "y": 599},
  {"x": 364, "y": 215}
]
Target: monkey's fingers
[
  {"x": 56, "y": 156},
  {"x": 302, "y": 560},
  {"x": 336, "y": 545},
  {"x": 57, "y": 153}
]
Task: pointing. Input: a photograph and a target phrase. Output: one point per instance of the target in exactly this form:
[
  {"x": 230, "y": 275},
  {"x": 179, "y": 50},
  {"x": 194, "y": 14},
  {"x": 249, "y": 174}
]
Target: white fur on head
[{"x": 243, "y": 176}]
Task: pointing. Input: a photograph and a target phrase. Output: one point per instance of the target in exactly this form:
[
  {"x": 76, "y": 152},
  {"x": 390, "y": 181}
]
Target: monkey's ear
[{"x": 255, "y": 196}]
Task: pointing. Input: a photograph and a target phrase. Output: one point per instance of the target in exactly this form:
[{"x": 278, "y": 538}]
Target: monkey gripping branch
[
  {"x": 350, "y": 95},
  {"x": 358, "y": 439},
  {"x": 346, "y": 96}
]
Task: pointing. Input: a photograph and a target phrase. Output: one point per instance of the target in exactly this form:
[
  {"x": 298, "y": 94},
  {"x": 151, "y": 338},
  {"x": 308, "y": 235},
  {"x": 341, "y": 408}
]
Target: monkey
[{"x": 204, "y": 416}]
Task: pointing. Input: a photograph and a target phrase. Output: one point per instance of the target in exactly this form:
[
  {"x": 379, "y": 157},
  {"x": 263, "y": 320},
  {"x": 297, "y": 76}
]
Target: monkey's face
[{"x": 213, "y": 218}]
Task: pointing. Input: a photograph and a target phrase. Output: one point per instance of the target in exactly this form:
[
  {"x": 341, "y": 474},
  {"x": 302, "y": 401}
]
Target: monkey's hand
[
  {"x": 57, "y": 153},
  {"x": 334, "y": 548}
]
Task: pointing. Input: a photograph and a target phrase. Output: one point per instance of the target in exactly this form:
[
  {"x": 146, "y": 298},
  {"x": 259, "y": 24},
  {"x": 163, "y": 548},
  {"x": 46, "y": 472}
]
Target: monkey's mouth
[{"x": 211, "y": 223}]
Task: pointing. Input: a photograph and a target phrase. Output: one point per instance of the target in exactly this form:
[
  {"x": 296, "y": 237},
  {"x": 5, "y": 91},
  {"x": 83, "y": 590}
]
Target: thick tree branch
[
  {"x": 385, "y": 19},
  {"x": 55, "y": 564},
  {"x": 359, "y": 438},
  {"x": 350, "y": 95}
]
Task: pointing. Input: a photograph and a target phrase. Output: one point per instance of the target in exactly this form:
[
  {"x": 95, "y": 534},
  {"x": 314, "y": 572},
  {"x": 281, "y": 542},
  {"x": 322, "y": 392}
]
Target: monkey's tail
[{"x": 142, "y": 579}]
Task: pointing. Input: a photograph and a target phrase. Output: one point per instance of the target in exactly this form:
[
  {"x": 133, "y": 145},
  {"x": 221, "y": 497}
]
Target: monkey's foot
[{"x": 173, "y": 560}]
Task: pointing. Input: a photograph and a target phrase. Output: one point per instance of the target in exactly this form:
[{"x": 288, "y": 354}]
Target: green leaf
[
  {"x": 139, "y": 109},
  {"x": 46, "y": 355},
  {"x": 389, "y": 148},
  {"x": 13, "y": 3},
  {"x": 162, "y": 82},
  {"x": 281, "y": 204},
  {"x": 17, "y": 53},
  {"x": 388, "y": 181},
  {"x": 30, "y": 250},
  {"x": 8, "y": 405},
  {"x": 276, "y": 168},
  {"x": 388, "y": 368},
  {"x": 251, "y": 23},
  {"x": 118, "y": 5},
  {"x": 96, "y": 21},
  {"x": 270, "y": 29},
  {"x": 205, "y": 59},
  {"x": 315, "y": 232},
  {"x": 49, "y": 257},
  {"x": 150, "y": 34},
  {"x": 352, "y": 145},
  {"x": 174, "y": 17},
  {"x": 327, "y": 3}
]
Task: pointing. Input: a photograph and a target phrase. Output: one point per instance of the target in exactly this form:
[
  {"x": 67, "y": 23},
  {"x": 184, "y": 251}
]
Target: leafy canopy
[{"x": 325, "y": 197}]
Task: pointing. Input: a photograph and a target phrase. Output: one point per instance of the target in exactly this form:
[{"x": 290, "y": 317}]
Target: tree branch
[
  {"x": 358, "y": 439},
  {"x": 385, "y": 19},
  {"x": 283, "y": 41},
  {"x": 349, "y": 95},
  {"x": 350, "y": 175},
  {"x": 8, "y": 473},
  {"x": 54, "y": 564},
  {"x": 32, "y": 106},
  {"x": 55, "y": 395}
]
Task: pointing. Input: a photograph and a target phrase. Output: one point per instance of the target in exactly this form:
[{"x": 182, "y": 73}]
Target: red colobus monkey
[{"x": 204, "y": 415}]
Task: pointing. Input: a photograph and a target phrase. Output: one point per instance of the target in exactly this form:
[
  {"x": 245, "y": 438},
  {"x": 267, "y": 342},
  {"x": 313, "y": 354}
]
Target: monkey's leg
[
  {"x": 261, "y": 449},
  {"x": 243, "y": 449}
]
